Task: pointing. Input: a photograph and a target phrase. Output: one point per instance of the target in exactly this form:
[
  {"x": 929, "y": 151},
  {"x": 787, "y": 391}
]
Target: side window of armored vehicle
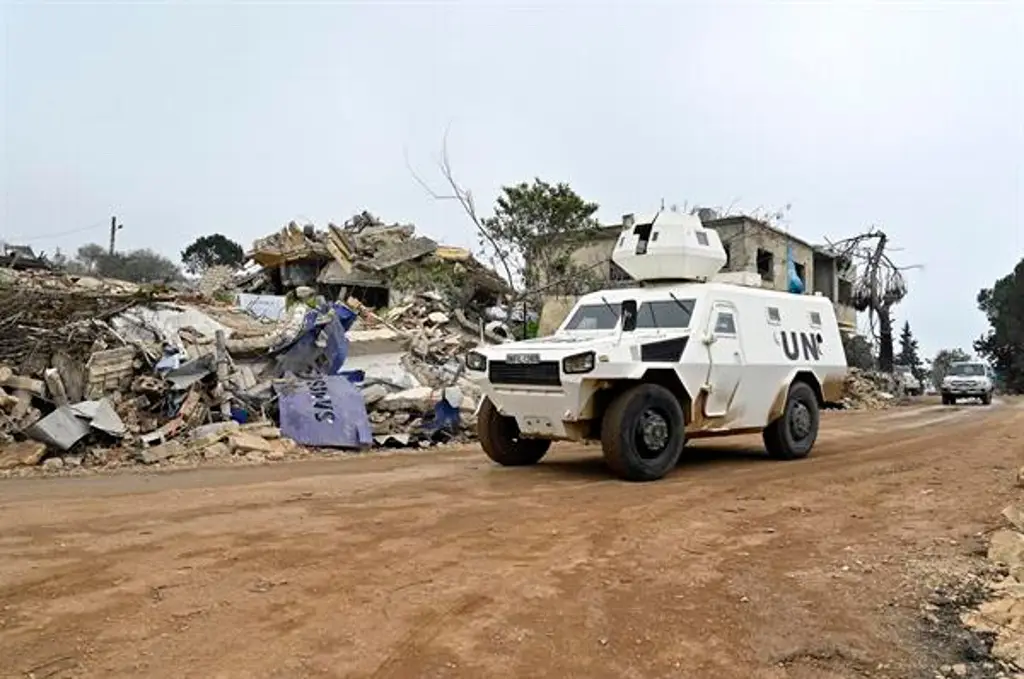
[
  {"x": 594, "y": 317},
  {"x": 774, "y": 317},
  {"x": 665, "y": 314},
  {"x": 702, "y": 237},
  {"x": 815, "y": 319},
  {"x": 725, "y": 324}
]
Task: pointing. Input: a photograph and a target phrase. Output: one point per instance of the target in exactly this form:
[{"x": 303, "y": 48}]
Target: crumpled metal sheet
[
  {"x": 101, "y": 416},
  {"x": 60, "y": 429}
]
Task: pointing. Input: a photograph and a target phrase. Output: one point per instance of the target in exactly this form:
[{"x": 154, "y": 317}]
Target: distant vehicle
[
  {"x": 968, "y": 379},
  {"x": 906, "y": 379},
  {"x": 683, "y": 355}
]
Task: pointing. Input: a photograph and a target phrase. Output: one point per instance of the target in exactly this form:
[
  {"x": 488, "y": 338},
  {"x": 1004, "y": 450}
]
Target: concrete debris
[
  {"x": 1000, "y": 617},
  {"x": 21, "y": 454},
  {"x": 101, "y": 373},
  {"x": 243, "y": 442},
  {"x": 868, "y": 390}
]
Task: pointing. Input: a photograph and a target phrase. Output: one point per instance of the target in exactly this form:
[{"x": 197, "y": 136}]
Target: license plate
[{"x": 523, "y": 359}]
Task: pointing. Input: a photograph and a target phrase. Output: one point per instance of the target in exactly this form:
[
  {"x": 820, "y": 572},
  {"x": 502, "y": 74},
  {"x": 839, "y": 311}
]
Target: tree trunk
[{"x": 885, "y": 340}]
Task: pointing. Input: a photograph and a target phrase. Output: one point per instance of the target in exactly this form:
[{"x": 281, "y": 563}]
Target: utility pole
[{"x": 114, "y": 228}]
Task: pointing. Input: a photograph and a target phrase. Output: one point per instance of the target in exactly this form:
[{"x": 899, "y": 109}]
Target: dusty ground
[{"x": 442, "y": 565}]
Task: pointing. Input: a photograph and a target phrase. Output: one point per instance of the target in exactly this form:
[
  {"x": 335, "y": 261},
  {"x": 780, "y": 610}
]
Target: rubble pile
[
  {"x": 868, "y": 390},
  {"x": 993, "y": 614},
  {"x": 104, "y": 373}
]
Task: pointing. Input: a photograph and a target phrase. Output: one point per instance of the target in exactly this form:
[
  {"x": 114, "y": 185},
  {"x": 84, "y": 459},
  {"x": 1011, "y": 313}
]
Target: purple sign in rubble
[{"x": 327, "y": 412}]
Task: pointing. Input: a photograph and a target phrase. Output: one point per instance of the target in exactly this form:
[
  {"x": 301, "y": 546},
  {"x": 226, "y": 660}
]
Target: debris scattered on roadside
[
  {"x": 868, "y": 390},
  {"x": 346, "y": 339},
  {"x": 987, "y": 607}
]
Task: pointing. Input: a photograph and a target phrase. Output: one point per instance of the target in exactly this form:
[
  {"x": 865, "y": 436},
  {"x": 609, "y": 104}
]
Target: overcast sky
[{"x": 187, "y": 119}]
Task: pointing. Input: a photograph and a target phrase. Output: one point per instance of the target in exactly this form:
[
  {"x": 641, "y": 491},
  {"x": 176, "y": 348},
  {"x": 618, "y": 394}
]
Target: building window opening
[{"x": 766, "y": 265}]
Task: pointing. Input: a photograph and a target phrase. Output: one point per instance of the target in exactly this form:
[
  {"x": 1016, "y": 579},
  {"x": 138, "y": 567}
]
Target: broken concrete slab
[
  {"x": 419, "y": 399},
  {"x": 438, "y": 317},
  {"x": 1007, "y": 547},
  {"x": 269, "y": 432},
  {"x": 372, "y": 393},
  {"x": 242, "y": 442},
  {"x": 164, "y": 451},
  {"x": 26, "y": 384},
  {"x": 215, "y": 450},
  {"x": 215, "y": 431},
  {"x": 394, "y": 254},
  {"x": 58, "y": 394},
  {"x": 22, "y": 454}
]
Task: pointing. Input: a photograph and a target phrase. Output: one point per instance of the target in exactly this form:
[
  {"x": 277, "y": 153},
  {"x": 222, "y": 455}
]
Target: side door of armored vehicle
[{"x": 725, "y": 356}]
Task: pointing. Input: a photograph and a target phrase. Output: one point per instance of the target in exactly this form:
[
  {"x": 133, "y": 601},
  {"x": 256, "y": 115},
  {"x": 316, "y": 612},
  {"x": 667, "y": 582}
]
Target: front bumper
[
  {"x": 966, "y": 391},
  {"x": 539, "y": 412}
]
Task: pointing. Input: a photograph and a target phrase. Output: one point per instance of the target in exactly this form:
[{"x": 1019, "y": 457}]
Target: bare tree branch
[{"x": 465, "y": 200}]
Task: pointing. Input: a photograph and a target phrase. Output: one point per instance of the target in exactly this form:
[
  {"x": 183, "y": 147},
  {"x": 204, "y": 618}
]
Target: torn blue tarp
[
  {"x": 354, "y": 376},
  {"x": 796, "y": 284},
  {"x": 446, "y": 418},
  {"x": 327, "y": 412},
  {"x": 305, "y": 355}
]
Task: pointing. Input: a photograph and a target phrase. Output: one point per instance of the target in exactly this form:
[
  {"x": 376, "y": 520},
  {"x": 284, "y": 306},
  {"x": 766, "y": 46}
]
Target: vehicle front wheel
[
  {"x": 499, "y": 437},
  {"x": 986, "y": 399},
  {"x": 642, "y": 433},
  {"x": 792, "y": 436}
]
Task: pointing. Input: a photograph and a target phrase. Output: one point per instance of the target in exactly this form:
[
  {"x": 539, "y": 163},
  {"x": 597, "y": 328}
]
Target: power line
[{"x": 58, "y": 234}]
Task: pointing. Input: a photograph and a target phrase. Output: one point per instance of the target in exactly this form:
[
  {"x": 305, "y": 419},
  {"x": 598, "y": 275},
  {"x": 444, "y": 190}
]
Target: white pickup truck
[{"x": 968, "y": 379}]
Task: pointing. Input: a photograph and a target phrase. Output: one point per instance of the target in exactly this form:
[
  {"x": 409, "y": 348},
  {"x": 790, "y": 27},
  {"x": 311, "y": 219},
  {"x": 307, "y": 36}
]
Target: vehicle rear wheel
[
  {"x": 792, "y": 436},
  {"x": 499, "y": 437},
  {"x": 642, "y": 433}
]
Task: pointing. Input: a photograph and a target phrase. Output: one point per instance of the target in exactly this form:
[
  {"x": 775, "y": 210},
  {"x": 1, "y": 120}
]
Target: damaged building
[
  {"x": 375, "y": 264},
  {"x": 752, "y": 246}
]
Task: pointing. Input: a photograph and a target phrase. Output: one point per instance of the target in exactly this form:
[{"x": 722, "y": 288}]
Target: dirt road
[{"x": 442, "y": 565}]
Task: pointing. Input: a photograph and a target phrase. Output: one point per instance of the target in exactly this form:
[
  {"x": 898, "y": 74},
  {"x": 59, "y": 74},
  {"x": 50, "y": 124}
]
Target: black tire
[
  {"x": 986, "y": 399},
  {"x": 643, "y": 432},
  {"x": 499, "y": 437},
  {"x": 792, "y": 436}
]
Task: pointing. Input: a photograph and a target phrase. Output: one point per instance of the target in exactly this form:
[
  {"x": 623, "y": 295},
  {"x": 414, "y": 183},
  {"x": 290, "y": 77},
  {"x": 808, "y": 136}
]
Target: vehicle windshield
[
  {"x": 668, "y": 313},
  {"x": 594, "y": 317},
  {"x": 968, "y": 370}
]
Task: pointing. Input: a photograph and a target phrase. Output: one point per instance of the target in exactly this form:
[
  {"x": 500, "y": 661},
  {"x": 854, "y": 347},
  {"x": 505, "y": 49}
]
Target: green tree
[
  {"x": 535, "y": 228},
  {"x": 212, "y": 250},
  {"x": 138, "y": 266},
  {"x": 943, "y": 360},
  {"x": 1003, "y": 344},
  {"x": 89, "y": 255},
  {"x": 909, "y": 354},
  {"x": 858, "y": 352}
]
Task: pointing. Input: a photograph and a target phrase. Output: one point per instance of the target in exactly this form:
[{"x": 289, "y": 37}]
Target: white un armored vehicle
[{"x": 682, "y": 356}]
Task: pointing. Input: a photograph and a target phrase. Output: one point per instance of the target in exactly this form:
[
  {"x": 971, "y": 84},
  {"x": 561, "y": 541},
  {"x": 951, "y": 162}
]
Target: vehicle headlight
[
  {"x": 476, "y": 361},
  {"x": 580, "y": 363}
]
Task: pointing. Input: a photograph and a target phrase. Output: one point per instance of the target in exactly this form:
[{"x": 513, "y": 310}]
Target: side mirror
[{"x": 628, "y": 313}]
